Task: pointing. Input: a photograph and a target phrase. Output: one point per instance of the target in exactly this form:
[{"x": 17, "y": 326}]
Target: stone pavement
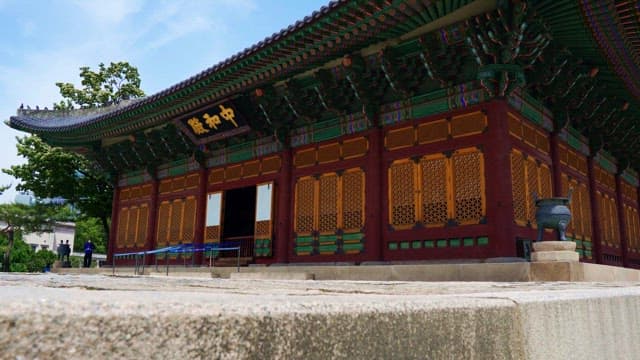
[{"x": 50, "y": 316}]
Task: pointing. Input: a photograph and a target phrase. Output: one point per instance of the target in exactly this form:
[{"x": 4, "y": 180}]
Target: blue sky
[{"x": 47, "y": 41}]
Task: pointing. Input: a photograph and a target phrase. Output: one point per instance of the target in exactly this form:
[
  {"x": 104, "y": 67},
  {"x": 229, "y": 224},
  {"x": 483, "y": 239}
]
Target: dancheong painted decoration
[{"x": 385, "y": 131}]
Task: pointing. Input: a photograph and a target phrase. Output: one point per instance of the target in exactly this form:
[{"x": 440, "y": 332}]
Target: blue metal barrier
[{"x": 211, "y": 248}]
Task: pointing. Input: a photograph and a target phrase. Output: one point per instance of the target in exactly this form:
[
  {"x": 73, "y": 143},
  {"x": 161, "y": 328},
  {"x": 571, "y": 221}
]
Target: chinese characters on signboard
[{"x": 219, "y": 121}]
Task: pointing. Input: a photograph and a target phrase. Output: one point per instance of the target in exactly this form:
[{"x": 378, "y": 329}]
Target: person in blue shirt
[{"x": 88, "y": 253}]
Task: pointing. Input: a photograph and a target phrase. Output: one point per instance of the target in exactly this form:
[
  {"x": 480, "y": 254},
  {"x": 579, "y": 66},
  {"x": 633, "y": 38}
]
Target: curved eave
[
  {"x": 604, "y": 34},
  {"x": 336, "y": 29}
]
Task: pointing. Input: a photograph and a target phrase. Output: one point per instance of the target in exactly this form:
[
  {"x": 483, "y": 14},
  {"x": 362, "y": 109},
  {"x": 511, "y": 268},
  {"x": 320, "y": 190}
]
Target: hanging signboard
[{"x": 216, "y": 122}]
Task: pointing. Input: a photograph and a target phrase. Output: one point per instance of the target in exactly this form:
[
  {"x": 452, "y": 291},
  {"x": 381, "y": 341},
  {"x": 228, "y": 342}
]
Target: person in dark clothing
[
  {"x": 88, "y": 253},
  {"x": 60, "y": 250},
  {"x": 67, "y": 251}
]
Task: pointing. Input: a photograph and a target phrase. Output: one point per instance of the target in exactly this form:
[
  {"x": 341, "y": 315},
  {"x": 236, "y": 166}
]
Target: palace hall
[{"x": 384, "y": 131}]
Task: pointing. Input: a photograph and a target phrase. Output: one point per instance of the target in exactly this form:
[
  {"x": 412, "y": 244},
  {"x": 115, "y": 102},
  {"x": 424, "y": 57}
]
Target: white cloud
[
  {"x": 109, "y": 12},
  {"x": 115, "y": 30}
]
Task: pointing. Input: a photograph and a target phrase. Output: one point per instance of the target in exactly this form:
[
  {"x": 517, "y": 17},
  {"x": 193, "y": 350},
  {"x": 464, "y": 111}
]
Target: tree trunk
[{"x": 6, "y": 263}]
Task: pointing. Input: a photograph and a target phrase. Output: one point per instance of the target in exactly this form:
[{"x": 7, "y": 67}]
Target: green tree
[
  {"x": 89, "y": 228},
  {"x": 52, "y": 171},
  {"x": 109, "y": 85},
  {"x": 18, "y": 218}
]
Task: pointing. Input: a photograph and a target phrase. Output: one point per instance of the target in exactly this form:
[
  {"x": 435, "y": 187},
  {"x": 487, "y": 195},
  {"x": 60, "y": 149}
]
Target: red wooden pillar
[
  {"x": 201, "y": 212},
  {"x": 555, "y": 163},
  {"x": 150, "y": 241},
  {"x": 283, "y": 216},
  {"x": 113, "y": 232},
  {"x": 497, "y": 152},
  {"x": 374, "y": 214},
  {"x": 595, "y": 211},
  {"x": 622, "y": 222}
]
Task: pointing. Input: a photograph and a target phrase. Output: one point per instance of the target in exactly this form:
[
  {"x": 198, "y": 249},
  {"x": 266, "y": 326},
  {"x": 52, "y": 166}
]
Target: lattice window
[
  {"x": 532, "y": 186},
  {"x": 132, "y": 226},
  {"x": 212, "y": 233},
  {"x": 433, "y": 169},
  {"x": 123, "y": 221},
  {"x": 528, "y": 177},
  {"x": 353, "y": 200},
  {"x": 546, "y": 187},
  {"x": 615, "y": 222},
  {"x": 305, "y": 200},
  {"x": 585, "y": 206},
  {"x": 328, "y": 204},
  {"x": 604, "y": 217},
  {"x": 263, "y": 229},
  {"x": 163, "y": 223},
  {"x": 518, "y": 188},
  {"x": 634, "y": 229},
  {"x": 189, "y": 220},
  {"x": 609, "y": 220},
  {"x": 578, "y": 218},
  {"x": 176, "y": 222},
  {"x": 468, "y": 186},
  {"x": 401, "y": 194},
  {"x": 580, "y": 225},
  {"x": 143, "y": 219}
]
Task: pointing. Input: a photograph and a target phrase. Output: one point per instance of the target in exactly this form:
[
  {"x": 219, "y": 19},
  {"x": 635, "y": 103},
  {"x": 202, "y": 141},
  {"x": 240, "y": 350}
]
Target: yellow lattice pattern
[
  {"x": 609, "y": 220},
  {"x": 176, "y": 222},
  {"x": 328, "y": 204},
  {"x": 263, "y": 229},
  {"x": 580, "y": 225},
  {"x": 468, "y": 172},
  {"x": 401, "y": 189},
  {"x": 353, "y": 200},
  {"x": 585, "y": 211},
  {"x": 434, "y": 190},
  {"x": 143, "y": 219},
  {"x": 189, "y": 220},
  {"x": 131, "y": 226},
  {"x": 123, "y": 220},
  {"x": 577, "y": 218},
  {"x": 546, "y": 187},
  {"x": 634, "y": 233},
  {"x": 604, "y": 218},
  {"x": 575, "y": 225},
  {"x": 304, "y": 205},
  {"x": 633, "y": 228},
  {"x": 518, "y": 188},
  {"x": 532, "y": 186},
  {"x": 163, "y": 223},
  {"x": 615, "y": 222},
  {"x": 212, "y": 234}
]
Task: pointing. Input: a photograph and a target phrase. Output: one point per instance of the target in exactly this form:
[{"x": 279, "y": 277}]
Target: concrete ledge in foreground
[{"x": 159, "y": 318}]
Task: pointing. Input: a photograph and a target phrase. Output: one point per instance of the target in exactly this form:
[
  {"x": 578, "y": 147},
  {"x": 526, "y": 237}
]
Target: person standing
[
  {"x": 88, "y": 253},
  {"x": 60, "y": 250},
  {"x": 67, "y": 251}
]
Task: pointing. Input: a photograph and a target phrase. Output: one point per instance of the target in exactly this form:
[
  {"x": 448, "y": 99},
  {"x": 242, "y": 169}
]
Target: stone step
[{"x": 273, "y": 275}]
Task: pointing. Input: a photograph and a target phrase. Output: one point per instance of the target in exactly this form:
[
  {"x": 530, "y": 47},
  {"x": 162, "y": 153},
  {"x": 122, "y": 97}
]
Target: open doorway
[{"x": 239, "y": 212}]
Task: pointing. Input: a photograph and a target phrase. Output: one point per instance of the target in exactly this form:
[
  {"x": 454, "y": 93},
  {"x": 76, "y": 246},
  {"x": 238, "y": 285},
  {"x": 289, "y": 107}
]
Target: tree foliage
[
  {"x": 55, "y": 172},
  {"x": 106, "y": 86},
  {"x": 90, "y": 229},
  {"x": 19, "y": 218},
  {"x": 24, "y": 258}
]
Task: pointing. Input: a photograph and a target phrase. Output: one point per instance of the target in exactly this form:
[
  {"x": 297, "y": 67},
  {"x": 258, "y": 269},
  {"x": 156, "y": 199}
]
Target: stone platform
[
  {"x": 55, "y": 316},
  {"x": 487, "y": 271}
]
